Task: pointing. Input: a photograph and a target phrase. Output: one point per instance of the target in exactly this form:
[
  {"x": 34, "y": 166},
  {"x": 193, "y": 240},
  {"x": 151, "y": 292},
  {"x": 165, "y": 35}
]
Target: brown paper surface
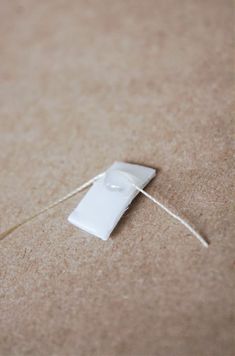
[{"x": 85, "y": 83}]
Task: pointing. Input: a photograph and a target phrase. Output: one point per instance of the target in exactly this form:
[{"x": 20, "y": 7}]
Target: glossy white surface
[{"x": 102, "y": 207}]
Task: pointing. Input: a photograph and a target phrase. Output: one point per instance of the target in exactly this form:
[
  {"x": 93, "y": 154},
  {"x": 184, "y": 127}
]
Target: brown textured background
[{"x": 85, "y": 83}]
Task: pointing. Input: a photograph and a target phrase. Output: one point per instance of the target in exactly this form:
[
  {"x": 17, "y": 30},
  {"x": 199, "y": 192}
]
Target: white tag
[{"x": 102, "y": 207}]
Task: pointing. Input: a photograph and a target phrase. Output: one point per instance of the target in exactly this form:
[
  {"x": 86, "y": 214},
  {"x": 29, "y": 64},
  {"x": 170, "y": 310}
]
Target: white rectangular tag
[{"x": 103, "y": 205}]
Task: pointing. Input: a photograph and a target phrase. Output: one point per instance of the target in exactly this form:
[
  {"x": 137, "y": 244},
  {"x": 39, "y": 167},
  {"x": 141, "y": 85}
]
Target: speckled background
[{"x": 85, "y": 83}]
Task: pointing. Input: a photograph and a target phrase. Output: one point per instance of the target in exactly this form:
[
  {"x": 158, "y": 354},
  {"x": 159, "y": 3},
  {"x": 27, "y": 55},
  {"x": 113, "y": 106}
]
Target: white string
[
  {"x": 177, "y": 217},
  {"x": 132, "y": 180},
  {"x": 90, "y": 182},
  {"x": 67, "y": 196}
]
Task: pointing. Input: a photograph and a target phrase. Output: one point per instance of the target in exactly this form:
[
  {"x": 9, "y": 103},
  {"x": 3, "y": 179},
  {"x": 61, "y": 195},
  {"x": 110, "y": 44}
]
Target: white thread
[
  {"x": 177, "y": 217},
  {"x": 67, "y": 196},
  {"x": 87, "y": 184}
]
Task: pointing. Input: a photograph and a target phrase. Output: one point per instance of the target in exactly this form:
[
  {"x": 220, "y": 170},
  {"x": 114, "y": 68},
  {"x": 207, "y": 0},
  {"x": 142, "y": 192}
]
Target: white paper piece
[{"x": 109, "y": 197}]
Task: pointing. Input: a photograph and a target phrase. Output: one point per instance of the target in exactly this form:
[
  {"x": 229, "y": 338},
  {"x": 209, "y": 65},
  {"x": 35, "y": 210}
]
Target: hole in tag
[{"x": 119, "y": 181}]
